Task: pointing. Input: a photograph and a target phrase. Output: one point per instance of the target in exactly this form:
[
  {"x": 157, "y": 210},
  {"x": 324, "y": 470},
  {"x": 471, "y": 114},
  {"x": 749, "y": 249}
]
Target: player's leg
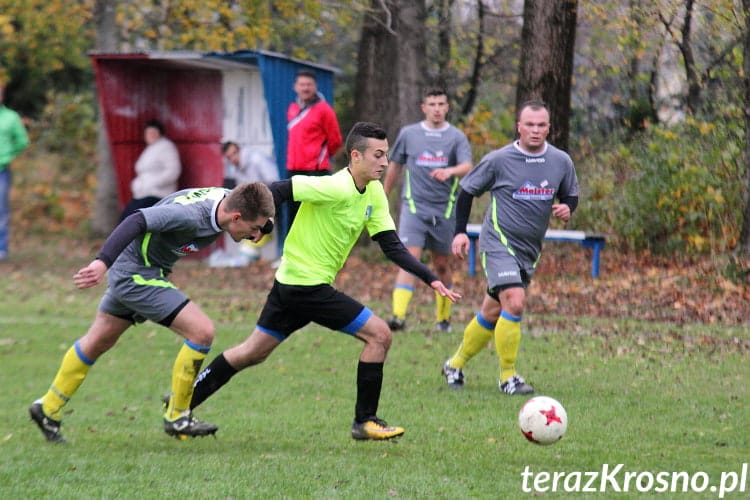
[
  {"x": 275, "y": 323},
  {"x": 76, "y": 363},
  {"x": 377, "y": 338},
  {"x": 476, "y": 335},
  {"x": 508, "y": 340},
  {"x": 198, "y": 330},
  {"x": 441, "y": 265},
  {"x": 403, "y": 291},
  {"x": 412, "y": 233},
  {"x": 438, "y": 238},
  {"x": 252, "y": 351}
]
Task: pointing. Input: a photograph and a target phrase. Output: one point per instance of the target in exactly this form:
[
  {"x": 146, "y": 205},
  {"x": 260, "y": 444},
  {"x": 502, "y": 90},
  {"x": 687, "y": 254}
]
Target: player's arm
[
  {"x": 394, "y": 249},
  {"x": 281, "y": 191},
  {"x": 565, "y": 208},
  {"x": 460, "y": 245},
  {"x": 129, "y": 229},
  {"x": 459, "y": 170},
  {"x": 392, "y": 173}
]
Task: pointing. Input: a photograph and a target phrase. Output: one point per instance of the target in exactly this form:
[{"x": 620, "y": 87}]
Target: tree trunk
[
  {"x": 106, "y": 205},
  {"x": 745, "y": 233},
  {"x": 476, "y": 72},
  {"x": 391, "y": 64},
  {"x": 547, "y": 43},
  {"x": 445, "y": 30}
]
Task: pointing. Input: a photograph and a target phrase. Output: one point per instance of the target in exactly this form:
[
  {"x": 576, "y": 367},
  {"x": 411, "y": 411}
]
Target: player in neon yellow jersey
[{"x": 334, "y": 211}]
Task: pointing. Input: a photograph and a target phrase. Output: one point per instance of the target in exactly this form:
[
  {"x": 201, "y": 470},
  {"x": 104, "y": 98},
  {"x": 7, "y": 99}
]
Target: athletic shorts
[
  {"x": 428, "y": 233},
  {"x": 137, "y": 299},
  {"x": 290, "y": 307},
  {"x": 503, "y": 270}
]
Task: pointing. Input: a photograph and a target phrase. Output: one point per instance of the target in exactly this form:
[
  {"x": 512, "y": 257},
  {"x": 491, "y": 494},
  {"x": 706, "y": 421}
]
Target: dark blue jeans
[{"x": 5, "y": 180}]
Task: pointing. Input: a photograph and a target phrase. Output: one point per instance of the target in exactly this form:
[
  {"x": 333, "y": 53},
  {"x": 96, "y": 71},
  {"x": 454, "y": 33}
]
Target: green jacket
[{"x": 13, "y": 137}]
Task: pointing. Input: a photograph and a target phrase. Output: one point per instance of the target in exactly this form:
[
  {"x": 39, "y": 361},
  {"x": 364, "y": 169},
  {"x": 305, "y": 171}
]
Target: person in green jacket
[{"x": 13, "y": 140}]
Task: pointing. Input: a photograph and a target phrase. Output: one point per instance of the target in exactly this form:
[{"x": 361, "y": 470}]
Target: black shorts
[{"x": 290, "y": 307}]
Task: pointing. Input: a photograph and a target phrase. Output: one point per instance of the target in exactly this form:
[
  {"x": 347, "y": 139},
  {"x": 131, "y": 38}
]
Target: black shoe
[
  {"x": 396, "y": 324},
  {"x": 454, "y": 377},
  {"x": 187, "y": 426},
  {"x": 443, "y": 326},
  {"x": 515, "y": 385},
  {"x": 49, "y": 427}
]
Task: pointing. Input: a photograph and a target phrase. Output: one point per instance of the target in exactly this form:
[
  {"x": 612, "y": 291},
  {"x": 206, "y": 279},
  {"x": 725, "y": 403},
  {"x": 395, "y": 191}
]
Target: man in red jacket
[{"x": 314, "y": 133}]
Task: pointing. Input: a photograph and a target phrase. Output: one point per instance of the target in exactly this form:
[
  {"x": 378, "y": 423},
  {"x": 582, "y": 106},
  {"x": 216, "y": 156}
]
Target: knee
[
  {"x": 383, "y": 337},
  {"x": 514, "y": 307},
  {"x": 204, "y": 334}
]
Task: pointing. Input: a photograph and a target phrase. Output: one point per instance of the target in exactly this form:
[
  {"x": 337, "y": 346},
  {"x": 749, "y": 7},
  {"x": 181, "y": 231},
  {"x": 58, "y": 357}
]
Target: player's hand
[
  {"x": 561, "y": 211},
  {"x": 460, "y": 245},
  {"x": 440, "y": 288},
  {"x": 441, "y": 174},
  {"x": 90, "y": 275}
]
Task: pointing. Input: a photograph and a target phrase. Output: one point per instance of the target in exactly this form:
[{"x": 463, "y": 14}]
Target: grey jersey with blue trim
[
  {"x": 178, "y": 225},
  {"x": 523, "y": 189},
  {"x": 422, "y": 150}
]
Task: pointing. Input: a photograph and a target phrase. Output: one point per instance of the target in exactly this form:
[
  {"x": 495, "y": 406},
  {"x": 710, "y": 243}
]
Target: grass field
[{"x": 651, "y": 396}]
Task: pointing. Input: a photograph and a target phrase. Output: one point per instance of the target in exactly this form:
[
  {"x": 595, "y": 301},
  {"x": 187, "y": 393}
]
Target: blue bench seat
[{"x": 593, "y": 241}]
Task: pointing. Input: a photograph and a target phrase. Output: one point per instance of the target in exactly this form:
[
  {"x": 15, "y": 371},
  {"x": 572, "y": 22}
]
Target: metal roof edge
[{"x": 175, "y": 55}]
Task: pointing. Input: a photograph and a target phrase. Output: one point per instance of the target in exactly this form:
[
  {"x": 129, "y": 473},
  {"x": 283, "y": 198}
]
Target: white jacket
[{"x": 157, "y": 170}]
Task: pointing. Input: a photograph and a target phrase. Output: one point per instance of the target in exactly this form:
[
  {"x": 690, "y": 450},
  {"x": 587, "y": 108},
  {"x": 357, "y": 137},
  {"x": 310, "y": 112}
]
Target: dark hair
[
  {"x": 534, "y": 104},
  {"x": 433, "y": 92},
  {"x": 306, "y": 73},
  {"x": 154, "y": 123},
  {"x": 251, "y": 200},
  {"x": 360, "y": 133},
  {"x": 227, "y": 145}
]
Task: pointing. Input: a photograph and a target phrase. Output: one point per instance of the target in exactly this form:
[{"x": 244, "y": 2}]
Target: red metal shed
[{"x": 202, "y": 99}]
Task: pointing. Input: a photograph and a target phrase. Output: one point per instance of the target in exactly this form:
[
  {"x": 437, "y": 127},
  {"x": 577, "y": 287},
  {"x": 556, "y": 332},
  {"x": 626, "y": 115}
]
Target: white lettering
[
  {"x": 575, "y": 484},
  {"x": 541, "y": 479},
  {"x": 610, "y": 478},
  {"x": 589, "y": 486}
]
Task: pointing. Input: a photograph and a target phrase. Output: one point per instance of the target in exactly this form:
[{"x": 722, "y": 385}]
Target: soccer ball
[{"x": 543, "y": 420}]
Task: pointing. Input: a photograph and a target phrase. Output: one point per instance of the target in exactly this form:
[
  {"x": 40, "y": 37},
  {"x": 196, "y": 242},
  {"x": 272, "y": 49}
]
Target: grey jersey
[
  {"x": 523, "y": 188},
  {"x": 422, "y": 150},
  {"x": 178, "y": 225}
]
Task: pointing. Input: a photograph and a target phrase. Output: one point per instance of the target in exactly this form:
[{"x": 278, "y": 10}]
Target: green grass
[{"x": 654, "y": 397}]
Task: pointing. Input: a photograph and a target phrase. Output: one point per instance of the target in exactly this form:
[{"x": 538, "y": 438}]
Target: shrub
[{"x": 671, "y": 189}]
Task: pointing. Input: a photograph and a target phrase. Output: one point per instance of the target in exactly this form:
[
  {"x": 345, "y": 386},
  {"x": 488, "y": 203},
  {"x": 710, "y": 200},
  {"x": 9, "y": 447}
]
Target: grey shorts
[
  {"x": 137, "y": 299},
  {"x": 428, "y": 233},
  {"x": 504, "y": 270}
]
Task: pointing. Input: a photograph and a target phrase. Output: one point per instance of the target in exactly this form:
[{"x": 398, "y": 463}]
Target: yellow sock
[
  {"x": 401, "y": 297},
  {"x": 476, "y": 335},
  {"x": 73, "y": 369},
  {"x": 442, "y": 308},
  {"x": 507, "y": 342},
  {"x": 186, "y": 367}
]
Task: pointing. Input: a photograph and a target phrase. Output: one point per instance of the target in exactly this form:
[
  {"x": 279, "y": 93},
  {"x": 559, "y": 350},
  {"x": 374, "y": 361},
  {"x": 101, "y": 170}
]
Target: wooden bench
[{"x": 593, "y": 241}]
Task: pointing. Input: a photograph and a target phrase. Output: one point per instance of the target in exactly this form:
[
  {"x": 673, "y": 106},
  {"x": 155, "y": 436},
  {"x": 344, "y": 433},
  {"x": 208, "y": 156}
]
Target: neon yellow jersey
[{"x": 329, "y": 221}]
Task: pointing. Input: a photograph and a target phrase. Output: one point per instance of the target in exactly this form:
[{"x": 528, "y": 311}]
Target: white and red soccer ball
[{"x": 543, "y": 420}]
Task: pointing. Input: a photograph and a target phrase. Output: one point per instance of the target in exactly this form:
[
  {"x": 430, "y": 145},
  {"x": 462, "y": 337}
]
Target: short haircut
[
  {"x": 433, "y": 92},
  {"x": 154, "y": 123},
  {"x": 251, "y": 200},
  {"x": 360, "y": 133},
  {"x": 228, "y": 144},
  {"x": 534, "y": 104},
  {"x": 306, "y": 73}
]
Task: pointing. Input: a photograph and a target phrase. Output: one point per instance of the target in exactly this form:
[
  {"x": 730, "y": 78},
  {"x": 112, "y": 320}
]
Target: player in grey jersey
[
  {"x": 524, "y": 179},
  {"x": 140, "y": 254},
  {"x": 436, "y": 155}
]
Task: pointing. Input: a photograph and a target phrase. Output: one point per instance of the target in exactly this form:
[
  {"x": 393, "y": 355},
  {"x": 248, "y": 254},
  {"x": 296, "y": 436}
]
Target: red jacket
[{"x": 314, "y": 136}]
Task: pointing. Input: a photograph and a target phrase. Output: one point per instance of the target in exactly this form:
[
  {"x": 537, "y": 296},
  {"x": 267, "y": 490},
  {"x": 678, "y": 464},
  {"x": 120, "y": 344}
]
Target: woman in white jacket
[{"x": 156, "y": 170}]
